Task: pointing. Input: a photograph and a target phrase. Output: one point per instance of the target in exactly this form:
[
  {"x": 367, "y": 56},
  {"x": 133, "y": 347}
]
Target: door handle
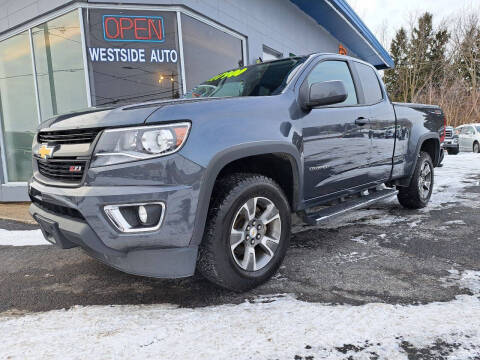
[{"x": 361, "y": 121}]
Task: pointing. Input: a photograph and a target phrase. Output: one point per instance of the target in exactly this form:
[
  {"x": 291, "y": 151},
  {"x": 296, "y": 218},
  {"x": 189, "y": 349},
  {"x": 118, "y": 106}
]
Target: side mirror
[{"x": 326, "y": 93}]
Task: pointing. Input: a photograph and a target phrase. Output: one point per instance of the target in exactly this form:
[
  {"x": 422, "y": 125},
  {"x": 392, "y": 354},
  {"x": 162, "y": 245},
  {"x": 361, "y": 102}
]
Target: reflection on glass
[
  {"x": 59, "y": 64},
  {"x": 266, "y": 79},
  {"x": 370, "y": 84},
  {"x": 130, "y": 71},
  {"x": 18, "y": 110},
  {"x": 335, "y": 70},
  {"x": 207, "y": 51}
]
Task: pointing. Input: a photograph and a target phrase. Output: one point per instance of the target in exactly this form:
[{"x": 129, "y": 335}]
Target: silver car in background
[{"x": 469, "y": 138}]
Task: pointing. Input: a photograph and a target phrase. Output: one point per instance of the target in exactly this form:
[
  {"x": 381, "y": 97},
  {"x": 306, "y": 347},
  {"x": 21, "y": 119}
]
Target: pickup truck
[
  {"x": 451, "y": 144},
  {"x": 208, "y": 183}
]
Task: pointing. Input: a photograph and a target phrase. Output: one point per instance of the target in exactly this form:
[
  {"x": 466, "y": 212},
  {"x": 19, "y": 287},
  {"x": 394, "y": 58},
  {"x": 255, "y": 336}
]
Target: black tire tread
[
  {"x": 409, "y": 197},
  {"x": 226, "y": 189}
]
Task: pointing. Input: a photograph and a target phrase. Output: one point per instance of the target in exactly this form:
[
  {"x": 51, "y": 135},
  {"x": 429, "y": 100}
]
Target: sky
[{"x": 392, "y": 14}]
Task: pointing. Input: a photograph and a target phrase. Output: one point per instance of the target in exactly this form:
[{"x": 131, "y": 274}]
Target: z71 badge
[{"x": 75, "y": 169}]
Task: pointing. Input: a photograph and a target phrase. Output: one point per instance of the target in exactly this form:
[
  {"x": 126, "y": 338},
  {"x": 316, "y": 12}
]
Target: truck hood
[{"x": 131, "y": 115}]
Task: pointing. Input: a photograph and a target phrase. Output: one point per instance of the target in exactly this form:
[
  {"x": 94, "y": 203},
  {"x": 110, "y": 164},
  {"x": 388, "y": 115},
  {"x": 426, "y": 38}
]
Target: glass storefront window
[
  {"x": 18, "y": 109},
  {"x": 60, "y": 73},
  {"x": 208, "y": 51},
  {"x": 133, "y": 56}
]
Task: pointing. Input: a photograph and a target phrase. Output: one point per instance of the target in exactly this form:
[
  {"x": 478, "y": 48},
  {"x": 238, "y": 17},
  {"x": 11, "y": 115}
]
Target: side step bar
[{"x": 348, "y": 205}]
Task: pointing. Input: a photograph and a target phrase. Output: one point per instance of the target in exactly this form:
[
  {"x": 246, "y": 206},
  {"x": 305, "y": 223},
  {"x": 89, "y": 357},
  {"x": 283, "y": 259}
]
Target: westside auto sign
[
  {"x": 129, "y": 52},
  {"x": 133, "y": 29},
  {"x": 133, "y": 55}
]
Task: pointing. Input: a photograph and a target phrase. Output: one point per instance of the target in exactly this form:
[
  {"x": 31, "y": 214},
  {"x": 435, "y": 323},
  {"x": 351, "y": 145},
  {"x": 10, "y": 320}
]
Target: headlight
[
  {"x": 118, "y": 146},
  {"x": 455, "y": 141}
]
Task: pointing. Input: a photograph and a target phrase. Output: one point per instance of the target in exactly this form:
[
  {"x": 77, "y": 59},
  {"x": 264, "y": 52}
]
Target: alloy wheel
[
  {"x": 425, "y": 181},
  {"x": 255, "y": 234}
]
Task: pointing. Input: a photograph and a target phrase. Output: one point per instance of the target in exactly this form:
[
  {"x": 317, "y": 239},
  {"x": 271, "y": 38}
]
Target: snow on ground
[
  {"x": 458, "y": 172},
  {"x": 22, "y": 238},
  {"x": 277, "y": 327}
]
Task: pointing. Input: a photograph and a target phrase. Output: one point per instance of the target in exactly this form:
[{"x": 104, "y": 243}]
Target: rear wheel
[
  {"x": 418, "y": 193},
  {"x": 247, "y": 232},
  {"x": 476, "y": 148}
]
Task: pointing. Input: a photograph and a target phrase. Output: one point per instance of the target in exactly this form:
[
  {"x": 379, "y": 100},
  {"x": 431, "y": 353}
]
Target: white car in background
[{"x": 469, "y": 138}]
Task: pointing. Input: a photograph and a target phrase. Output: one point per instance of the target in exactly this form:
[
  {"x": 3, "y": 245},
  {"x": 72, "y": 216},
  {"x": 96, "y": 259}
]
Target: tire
[
  {"x": 453, "y": 151},
  {"x": 476, "y": 147},
  {"x": 412, "y": 197},
  {"x": 229, "y": 215}
]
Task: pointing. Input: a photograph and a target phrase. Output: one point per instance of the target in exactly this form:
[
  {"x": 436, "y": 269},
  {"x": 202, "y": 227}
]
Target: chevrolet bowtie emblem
[{"x": 45, "y": 151}]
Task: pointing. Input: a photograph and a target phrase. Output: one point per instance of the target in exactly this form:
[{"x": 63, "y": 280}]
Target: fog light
[
  {"x": 136, "y": 217},
  {"x": 142, "y": 214}
]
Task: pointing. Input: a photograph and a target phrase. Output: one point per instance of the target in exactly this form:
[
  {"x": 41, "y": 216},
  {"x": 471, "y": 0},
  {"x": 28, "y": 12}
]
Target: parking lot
[{"x": 352, "y": 288}]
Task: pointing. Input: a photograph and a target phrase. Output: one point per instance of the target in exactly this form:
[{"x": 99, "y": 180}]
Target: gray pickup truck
[{"x": 210, "y": 182}]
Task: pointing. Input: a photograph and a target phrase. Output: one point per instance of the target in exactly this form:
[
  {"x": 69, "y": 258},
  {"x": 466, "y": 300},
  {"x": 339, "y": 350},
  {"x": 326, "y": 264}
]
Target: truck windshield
[{"x": 258, "y": 80}]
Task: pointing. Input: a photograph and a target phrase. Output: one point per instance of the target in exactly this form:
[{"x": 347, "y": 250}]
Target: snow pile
[
  {"x": 279, "y": 328},
  {"x": 22, "y": 238}
]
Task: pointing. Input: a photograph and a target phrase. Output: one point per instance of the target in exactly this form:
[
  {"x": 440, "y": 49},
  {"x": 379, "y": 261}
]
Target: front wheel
[
  {"x": 453, "y": 151},
  {"x": 247, "y": 232},
  {"x": 418, "y": 193}
]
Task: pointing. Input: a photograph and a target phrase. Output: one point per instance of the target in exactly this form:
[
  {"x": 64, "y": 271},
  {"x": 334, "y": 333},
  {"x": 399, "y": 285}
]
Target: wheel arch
[
  {"x": 429, "y": 143},
  {"x": 234, "y": 158},
  {"x": 432, "y": 147},
  {"x": 475, "y": 142}
]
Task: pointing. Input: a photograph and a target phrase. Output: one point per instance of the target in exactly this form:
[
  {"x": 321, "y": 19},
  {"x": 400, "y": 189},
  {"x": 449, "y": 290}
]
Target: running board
[{"x": 348, "y": 205}]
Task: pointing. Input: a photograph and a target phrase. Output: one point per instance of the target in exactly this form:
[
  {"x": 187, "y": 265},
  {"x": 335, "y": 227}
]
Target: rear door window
[
  {"x": 331, "y": 71},
  {"x": 370, "y": 84}
]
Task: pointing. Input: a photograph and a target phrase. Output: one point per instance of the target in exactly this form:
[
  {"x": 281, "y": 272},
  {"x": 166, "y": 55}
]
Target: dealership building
[{"x": 58, "y": 56}]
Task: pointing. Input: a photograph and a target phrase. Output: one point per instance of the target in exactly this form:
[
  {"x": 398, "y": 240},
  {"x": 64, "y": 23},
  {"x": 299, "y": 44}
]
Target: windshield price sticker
[{"x": 229, "y": 74}]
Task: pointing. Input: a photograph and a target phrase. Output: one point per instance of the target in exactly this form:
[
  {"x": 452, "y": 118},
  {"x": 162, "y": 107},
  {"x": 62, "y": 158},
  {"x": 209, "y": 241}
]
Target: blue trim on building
[{"x": 339, "y": 19}]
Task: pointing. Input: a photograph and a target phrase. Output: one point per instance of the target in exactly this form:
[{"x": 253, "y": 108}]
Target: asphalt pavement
[{"x": 381, "y": 254}]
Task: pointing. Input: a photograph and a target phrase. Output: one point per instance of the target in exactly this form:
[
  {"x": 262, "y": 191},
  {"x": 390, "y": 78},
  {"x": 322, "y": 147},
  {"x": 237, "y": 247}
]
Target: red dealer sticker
[{"x": 127, "y": 28}]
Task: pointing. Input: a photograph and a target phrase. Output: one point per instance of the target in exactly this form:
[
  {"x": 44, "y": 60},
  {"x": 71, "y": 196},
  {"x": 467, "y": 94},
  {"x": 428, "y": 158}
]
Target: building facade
[{"x": 61, "y": 56}]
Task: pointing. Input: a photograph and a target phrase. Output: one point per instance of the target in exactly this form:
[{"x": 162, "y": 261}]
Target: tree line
[{"x": 438, "y": 65}]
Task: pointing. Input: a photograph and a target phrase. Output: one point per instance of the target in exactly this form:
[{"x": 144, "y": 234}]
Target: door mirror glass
[{"x": 326, "y": 93}]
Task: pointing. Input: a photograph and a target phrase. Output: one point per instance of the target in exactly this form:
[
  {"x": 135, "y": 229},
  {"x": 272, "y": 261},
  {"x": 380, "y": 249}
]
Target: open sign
[{"x": 127, "y": 28}]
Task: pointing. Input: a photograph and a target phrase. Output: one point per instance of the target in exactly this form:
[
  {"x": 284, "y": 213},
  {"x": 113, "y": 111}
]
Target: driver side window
[{"x": 335, "y": 70}]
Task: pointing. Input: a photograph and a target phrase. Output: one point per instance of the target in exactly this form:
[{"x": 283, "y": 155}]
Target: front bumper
[
  {"x": 75, "y": 217},
  {"x": 69, "y": 233},
  {"x": 450, "y": 145}
]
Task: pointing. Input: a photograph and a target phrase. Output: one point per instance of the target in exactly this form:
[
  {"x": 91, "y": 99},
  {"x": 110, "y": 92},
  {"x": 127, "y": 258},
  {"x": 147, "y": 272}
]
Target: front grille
[
  {"x": 57, "y": 209},
  {"x": 448, "y": 133},
  {"x": 85, "y": 136},
  {"x": 62, "y": 170}
]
